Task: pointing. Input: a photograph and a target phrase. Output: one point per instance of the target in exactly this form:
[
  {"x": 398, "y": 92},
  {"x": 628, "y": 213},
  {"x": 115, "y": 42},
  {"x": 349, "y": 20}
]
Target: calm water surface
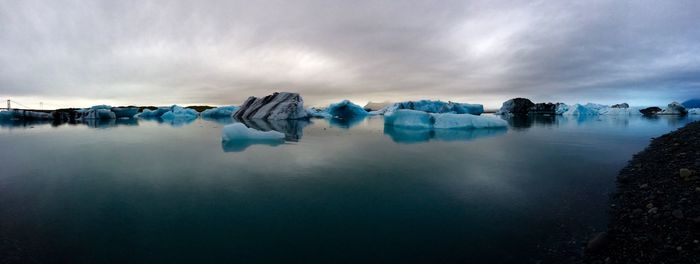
[{"x": 143, "y": 191}]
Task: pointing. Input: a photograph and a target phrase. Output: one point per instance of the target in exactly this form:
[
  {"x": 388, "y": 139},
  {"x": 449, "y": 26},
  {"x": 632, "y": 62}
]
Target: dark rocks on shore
[
  {"x": 650, "y": 111},
  {"x": 277, "y": 106},
  {"x": 654, "y": 217}
]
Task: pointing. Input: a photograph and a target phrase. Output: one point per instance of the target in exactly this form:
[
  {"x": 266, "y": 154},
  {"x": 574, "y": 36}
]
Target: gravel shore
[{"x": 655, "y": 212}]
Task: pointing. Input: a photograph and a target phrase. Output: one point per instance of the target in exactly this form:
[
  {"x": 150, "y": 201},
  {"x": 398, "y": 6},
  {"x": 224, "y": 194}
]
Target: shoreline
[{"x": 654, "y": 217}]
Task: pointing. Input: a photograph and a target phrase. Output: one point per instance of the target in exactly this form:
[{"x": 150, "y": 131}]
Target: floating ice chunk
[
  {"x": 223, "y": 111},
  {"x": 148, "y": 113},
  {"x": 318, "y": 112},
  {"x": 420, "y": 119},
  {"x": 95, "y": 107},
  {"x": 180, "y": 113},
  {"x": 98, "y": 113},
  {"x": 430, "y": 106},
  {"x": 579, "y": 110},
  {"x": 561, "y": 108},
  {"x": 694, "y": 111},
  {"x": 275, "y": 106},
  {"x": 409, "y": 118},
  {"x": 346, "y": 110},
  {"x": 125, "y": 112},
  {"x": 674, "y": 109},
  {"x": 238, "y": 131}
]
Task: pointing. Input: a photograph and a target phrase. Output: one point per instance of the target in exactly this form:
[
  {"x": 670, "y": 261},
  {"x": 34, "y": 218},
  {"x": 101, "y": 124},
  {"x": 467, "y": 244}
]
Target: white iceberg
[
  {"x": 694, "y": 111},
  {"x": 180, "y": 113},
  {"x": 580, "y": 110},
  {"x": 238, "y": 131},
  {"x": 318, "y": 112},
  {"x": 674, "y": 108},
  {"x": 421, "y": 119},
  {"x": 222, "y": 111},
  {"x": 430, "y": 106}
]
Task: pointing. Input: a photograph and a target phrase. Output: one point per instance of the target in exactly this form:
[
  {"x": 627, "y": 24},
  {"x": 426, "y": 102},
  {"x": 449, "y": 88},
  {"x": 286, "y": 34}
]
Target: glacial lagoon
[{"x": 136, "y": 190}]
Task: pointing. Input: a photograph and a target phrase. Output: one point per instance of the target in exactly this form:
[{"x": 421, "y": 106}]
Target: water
[{"x": 335, "y": 191}]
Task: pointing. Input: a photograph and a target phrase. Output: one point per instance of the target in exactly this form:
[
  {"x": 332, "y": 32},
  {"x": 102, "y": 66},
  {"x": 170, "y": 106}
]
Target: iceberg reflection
[
  {"x": 293, "y": 129},
  {"x": 416, "y": 135}
]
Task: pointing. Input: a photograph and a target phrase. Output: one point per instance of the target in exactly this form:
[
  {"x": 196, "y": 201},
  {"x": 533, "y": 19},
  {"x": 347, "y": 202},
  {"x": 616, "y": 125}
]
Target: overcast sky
[{"x": 80, "y": 53}]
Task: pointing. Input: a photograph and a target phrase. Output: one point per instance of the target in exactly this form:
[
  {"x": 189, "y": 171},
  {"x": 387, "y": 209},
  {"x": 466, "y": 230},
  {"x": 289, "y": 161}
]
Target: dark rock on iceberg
[
  {"x": 277, "y": 106},
  {"x": 543, "y": 108},
  {"x": 516, "y": 106},
  {"x": 650, "y": 110},
  {"x": 622, "y": 105}
]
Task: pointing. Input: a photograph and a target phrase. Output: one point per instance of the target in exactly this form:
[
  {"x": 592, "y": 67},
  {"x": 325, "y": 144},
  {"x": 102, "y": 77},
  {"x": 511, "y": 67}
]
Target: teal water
[{"x": 140, "y": 191}]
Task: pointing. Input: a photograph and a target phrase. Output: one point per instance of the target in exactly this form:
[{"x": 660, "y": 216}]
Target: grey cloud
[{"x": 220, "y": 52}]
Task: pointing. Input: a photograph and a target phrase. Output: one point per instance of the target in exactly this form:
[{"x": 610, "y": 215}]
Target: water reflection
[
  {"x": 347, "y": 122},
  {"x": 413, "y": 135},
  {"x": 518, "y": 122},
  {"x": 242, "y": 144},
  {"x": 293, "y": 129},
  {"x": 175, "y": 122},
  {"x": 219, "y": 120}
]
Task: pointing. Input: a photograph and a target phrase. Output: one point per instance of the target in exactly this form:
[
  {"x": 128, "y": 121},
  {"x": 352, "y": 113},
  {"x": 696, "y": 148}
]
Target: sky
[{"x": 81, "y": 53}]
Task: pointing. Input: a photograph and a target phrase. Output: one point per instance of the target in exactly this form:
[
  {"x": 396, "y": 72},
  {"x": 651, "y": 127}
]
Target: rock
[
  {"x": 677, "y": 214},
  {"x": 543, "y": 108},
  {"x": 622, "y": 105},
  {"x": 685, "y": 173},
  {"x": 277, "y": 106},
  {"x": 516, "y": 106},
  {"x": 650, "y": 110},
  {"x": 597, "y": 243},
  {"x": 674, "y": 108}
]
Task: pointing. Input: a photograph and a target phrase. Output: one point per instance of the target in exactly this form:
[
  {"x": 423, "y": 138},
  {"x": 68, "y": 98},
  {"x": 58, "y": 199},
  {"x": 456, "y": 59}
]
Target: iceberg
[
  {"x": 561, "y": 108},
  {"x": 275, "y": 106},
  {"x": 374, "y": 106},
  {"x": 420, "y": 119},
  {"x": 177, "y": 112},
  {"x": 694, "y": 111},
  {"x": 148, "y": 113},
  {"x": 125, "y": 112},
  {"x": 580, "y": 110},
  {"x": 98, "y": 113},
  {"x": 318, "y": 112},
  {"x": 674, "y": 108},
  {"x": 222, "y": 111},
  {"x": 430, "y": 106},
  {"x": 346, "y": 110}
]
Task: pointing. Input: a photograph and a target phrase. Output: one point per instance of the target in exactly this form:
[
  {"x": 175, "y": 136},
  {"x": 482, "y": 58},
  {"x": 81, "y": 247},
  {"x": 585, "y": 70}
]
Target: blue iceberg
[
  {"x": 218, "y": 112},
  {"x": 420, "y": 119},
  {"x": 346, "y": 110},
  {"x": 180, "y": 113},
  {"x": 430, "y": 106}
]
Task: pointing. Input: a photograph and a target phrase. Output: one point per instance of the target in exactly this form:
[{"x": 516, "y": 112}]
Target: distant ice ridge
[
  {"x": 599, "y": 109},
  {"x": 238, "y": 131},
  {"x": 422, "y": 119},
  {"x": 177, "y": 112},
  {"x": 223, "y": 111},
  {"x": 430, "y": 106}
]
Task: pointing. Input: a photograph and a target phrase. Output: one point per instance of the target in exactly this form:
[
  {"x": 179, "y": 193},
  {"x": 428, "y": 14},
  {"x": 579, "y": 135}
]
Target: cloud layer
[{"x": 220, "y": 52}]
